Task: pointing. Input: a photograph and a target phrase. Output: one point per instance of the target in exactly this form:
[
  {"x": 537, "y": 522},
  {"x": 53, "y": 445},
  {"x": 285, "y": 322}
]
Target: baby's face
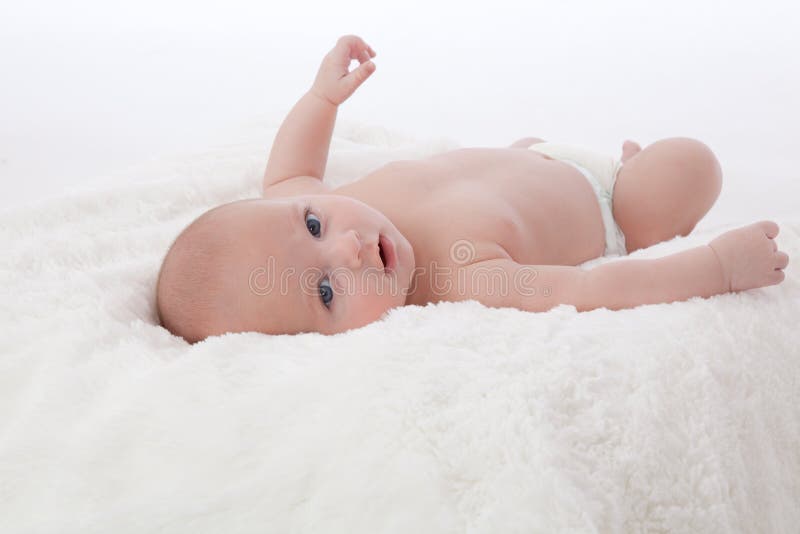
[{"x": 315, "y": 263}]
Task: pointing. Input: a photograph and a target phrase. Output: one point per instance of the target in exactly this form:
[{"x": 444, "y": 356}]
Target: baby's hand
[
  {"x": 750, "y": 257},
  {"x": 333, "y": 82}
]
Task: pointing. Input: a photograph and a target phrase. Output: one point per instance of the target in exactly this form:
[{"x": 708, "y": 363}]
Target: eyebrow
[{"x": 297, "y": 213}]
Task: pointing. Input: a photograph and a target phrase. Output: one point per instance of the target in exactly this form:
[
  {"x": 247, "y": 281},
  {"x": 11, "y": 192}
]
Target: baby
[{"x": 503, "y": 226}]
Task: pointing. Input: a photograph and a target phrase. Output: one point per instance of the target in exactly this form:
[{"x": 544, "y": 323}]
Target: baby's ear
[{"x": 299, "y": 185}]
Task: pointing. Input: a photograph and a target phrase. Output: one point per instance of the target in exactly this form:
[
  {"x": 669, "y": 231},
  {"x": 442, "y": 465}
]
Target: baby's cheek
[
  {"x": 371, "y": 299},
  {"x": 370, "y": 307},
  {"x": 371, "y": 304}
]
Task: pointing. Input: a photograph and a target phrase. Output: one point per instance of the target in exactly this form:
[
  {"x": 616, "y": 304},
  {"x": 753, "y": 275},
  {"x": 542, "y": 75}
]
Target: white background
[{"x": 89, "y": 86}]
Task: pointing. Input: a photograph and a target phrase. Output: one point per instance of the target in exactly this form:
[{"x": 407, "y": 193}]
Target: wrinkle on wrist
[
  {"x": 724, "y": 274},
  {"x": 322, "y": 97}
]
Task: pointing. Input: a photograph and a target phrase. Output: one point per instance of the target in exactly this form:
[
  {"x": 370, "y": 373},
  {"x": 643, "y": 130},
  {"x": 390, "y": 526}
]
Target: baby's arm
[
  {"x": 300, "y": 151},
  {"x": 695, "y": 272},
  {"x": 740, "y": 259}
]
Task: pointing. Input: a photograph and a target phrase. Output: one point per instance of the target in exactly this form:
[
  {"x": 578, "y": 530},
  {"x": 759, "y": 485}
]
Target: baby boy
[{"x": 503, "y": 226}]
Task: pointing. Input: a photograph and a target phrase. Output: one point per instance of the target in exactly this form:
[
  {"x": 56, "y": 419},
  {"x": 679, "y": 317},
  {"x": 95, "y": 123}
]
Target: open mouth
[{"x": 387, "y": 253}]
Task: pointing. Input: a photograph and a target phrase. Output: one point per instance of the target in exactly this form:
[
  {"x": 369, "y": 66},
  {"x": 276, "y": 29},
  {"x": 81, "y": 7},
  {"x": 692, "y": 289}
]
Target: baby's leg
[
  {"x": 629, "y": 149},
  {"x": 664, "y": 190}
]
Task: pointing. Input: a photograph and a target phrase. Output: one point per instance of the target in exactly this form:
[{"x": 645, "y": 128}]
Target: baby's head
[{"x": 312, "y": 263}]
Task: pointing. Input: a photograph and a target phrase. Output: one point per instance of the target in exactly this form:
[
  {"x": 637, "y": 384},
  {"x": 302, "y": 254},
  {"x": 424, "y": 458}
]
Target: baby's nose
[{"x": 349, "y": 250}]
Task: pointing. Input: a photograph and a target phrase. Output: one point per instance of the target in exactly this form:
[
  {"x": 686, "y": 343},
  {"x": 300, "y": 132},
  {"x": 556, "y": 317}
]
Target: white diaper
[{"x": 601, "y": 172}]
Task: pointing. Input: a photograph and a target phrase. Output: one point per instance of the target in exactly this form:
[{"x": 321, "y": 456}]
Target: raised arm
[
  {"x": 744, "y": 258},
  {"x": 300, "y": 151}
]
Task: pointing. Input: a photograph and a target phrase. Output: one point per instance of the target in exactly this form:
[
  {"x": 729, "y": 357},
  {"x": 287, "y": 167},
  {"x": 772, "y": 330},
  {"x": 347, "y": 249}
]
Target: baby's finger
[
  {"x": 348, "y": 47},
  {"x": 354, "y": 48},
  {"x": 363, "y": 71},
  {"x": 364, "y": 50},
  {"x": 782, "y": 260},
  {"x": 357, "y": 77},
  {"x": 363, "y": 56}
]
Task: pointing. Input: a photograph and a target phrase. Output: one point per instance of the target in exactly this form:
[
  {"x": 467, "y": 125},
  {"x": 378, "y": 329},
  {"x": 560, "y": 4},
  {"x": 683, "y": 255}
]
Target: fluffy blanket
[{"x": 447, "y": 418}]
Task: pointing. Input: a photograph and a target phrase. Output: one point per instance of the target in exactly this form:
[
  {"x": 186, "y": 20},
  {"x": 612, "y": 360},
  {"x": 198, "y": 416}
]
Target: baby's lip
[{"x": 389, "y": 253}]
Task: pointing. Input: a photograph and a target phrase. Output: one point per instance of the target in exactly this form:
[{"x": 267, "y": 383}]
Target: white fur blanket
[{"x": 448, "y": 418}]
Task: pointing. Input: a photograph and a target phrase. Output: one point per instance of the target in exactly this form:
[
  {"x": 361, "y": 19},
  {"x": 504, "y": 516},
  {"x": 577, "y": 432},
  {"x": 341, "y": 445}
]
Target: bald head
[
  {"x": 194, "y": 283},
  {"x": 308, "y": 263}
]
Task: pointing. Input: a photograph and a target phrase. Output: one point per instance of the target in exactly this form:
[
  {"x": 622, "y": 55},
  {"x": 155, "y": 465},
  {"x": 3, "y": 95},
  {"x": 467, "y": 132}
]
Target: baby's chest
[
  {"x": 490, "y": 203},
  {"x": 463, "y": 224}
]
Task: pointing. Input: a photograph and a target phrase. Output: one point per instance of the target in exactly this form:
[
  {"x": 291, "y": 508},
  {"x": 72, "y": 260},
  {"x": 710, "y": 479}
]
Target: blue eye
[
  {"x": 326, "y": 292},
  {"x": 313, "y": 224}
]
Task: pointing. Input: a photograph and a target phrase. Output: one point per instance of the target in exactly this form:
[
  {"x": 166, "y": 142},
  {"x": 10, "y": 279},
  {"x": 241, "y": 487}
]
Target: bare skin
[
  {"x": 425, "y": 226},
  {"x": 507, "y": 203}
]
